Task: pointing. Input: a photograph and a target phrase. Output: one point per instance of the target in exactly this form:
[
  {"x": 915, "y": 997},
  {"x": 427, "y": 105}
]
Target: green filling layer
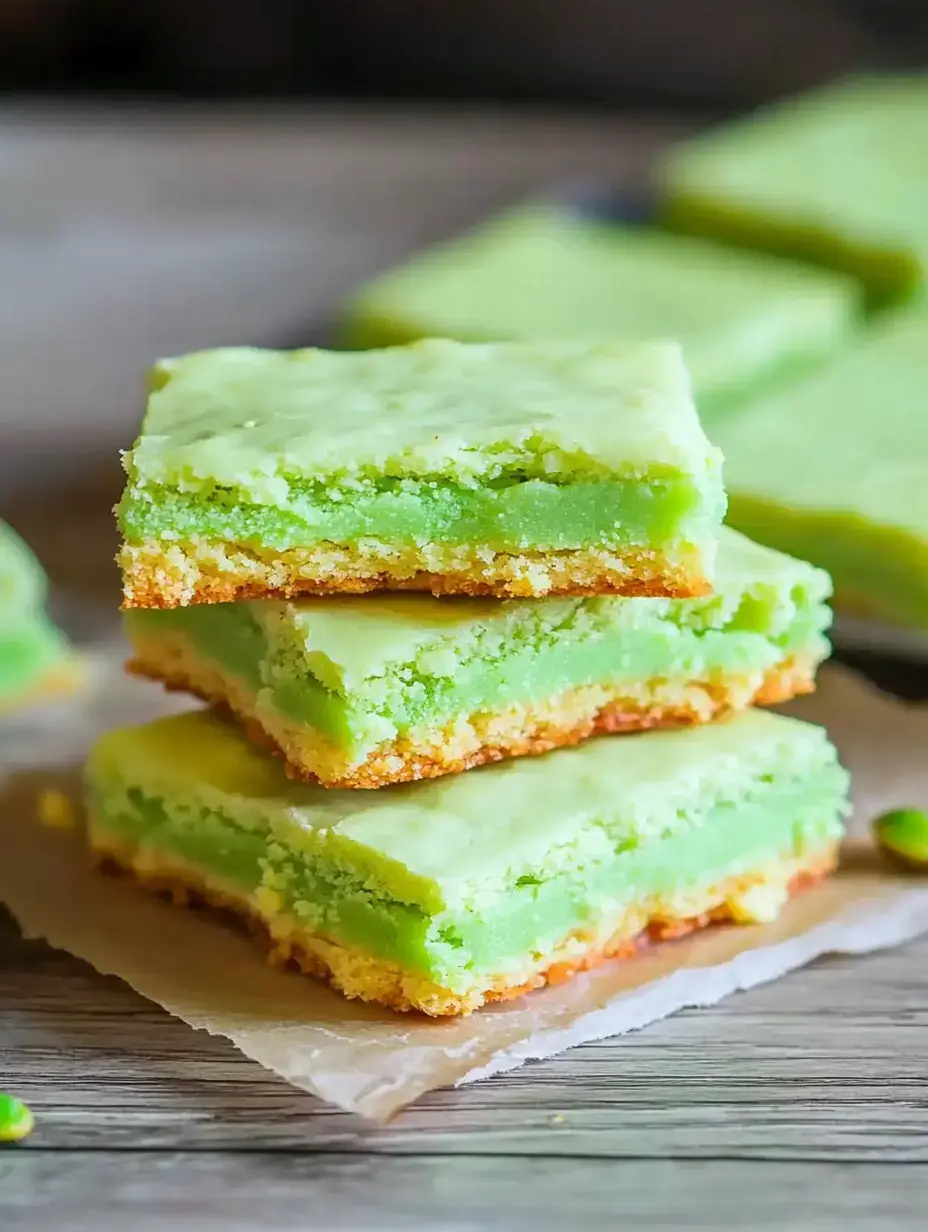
[
  {"x": 453, "y": 947},
  {"x": 512, "y": 517}
]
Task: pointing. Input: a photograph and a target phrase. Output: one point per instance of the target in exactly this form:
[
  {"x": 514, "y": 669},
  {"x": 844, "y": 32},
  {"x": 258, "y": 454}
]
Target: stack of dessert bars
[{"x": 483, "y": 666}]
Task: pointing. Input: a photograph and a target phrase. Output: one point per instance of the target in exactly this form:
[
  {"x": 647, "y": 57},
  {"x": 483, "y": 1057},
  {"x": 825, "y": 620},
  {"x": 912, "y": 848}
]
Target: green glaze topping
[{"x": 29, "y": 642}]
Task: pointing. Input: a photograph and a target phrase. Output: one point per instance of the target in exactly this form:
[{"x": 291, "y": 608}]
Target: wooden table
[{"x": 800, "y": 1105}]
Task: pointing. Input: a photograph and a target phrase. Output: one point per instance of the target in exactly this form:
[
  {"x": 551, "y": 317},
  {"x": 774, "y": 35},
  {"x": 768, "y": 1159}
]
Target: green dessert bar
[
  {"x": 34, "y": 657},
  {"x": 742, "y": 319},
  {"x": 837, "y": 176},
  {"x": 444, "y": 895},
  {"x": 833, "y": 469},
  {"x": 359, "y": 692},
  {"x": 511, "y": 470}
]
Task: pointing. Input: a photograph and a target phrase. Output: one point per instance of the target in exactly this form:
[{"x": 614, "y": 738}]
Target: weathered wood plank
[
  {"x": 280, "y": 1191},
  {"x": 827, "y": 1064}
]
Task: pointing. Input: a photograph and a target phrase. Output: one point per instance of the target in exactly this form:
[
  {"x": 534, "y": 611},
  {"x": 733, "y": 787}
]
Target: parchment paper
[{"x": 371, "y": 1061}]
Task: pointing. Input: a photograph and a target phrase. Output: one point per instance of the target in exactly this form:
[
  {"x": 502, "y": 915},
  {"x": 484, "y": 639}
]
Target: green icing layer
[
  {"x": 545, "y": 273},
  {"x": 468, "y": 875},
  {"x": 851, "y": 497},
  {"x": 516, "y": 445},
  {"x": 362, "y": 671},
  {"x": 838, "y": 176}
]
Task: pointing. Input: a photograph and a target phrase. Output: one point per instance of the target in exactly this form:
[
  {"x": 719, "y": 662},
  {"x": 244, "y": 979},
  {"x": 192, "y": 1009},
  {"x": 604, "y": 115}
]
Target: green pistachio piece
[
  {"x": 16, "y": 1119},
  {"x": 902, "y": 836}
]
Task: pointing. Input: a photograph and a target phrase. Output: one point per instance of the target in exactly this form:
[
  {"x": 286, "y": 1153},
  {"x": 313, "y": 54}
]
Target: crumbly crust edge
[{"x": 164, "y": 575}]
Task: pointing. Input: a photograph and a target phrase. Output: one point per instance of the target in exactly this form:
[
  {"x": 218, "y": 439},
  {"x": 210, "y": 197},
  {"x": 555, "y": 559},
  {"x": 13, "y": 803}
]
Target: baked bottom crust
[
  {"x": 516, "y": 730},
  {"x": 751, "y": 897},
  {"x": 163, "y": 575}
]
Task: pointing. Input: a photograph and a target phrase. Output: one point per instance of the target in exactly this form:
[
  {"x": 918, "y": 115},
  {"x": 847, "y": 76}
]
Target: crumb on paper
[{"x": 56, "y": 810}]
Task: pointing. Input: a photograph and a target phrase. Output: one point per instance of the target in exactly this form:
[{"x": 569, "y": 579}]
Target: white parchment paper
[{"x": 373, "y": 1062}]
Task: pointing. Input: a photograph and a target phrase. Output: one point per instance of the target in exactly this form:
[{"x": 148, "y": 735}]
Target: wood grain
[
  {"x": 827, "y": 1065},
  {"x": 278, "y": 1192}
]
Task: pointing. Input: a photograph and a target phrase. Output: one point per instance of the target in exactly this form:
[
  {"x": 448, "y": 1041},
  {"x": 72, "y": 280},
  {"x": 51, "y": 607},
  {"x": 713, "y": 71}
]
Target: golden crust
[
  {"x": 166, "y": 575},
  {"x": 361, "y": 976},
  {"x": 518, "y": 731}
]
